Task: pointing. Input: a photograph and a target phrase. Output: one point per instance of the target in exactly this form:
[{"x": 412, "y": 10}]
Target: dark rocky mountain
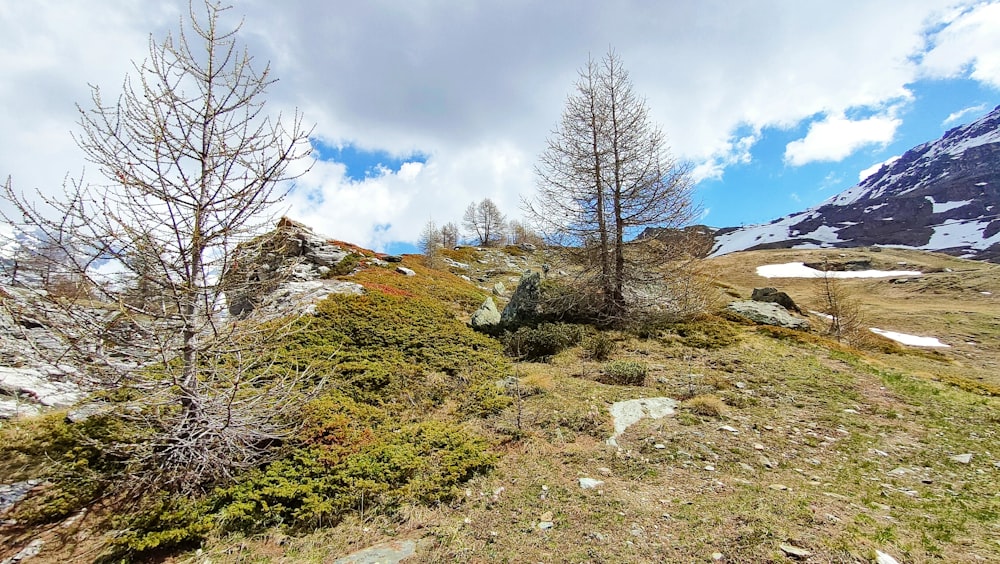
[{"x": 940, "y": 196}]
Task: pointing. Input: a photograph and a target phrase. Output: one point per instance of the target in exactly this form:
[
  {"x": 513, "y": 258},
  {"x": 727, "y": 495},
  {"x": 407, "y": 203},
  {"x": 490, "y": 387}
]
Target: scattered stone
[
  {"x": 883, "y": 558},
  {"x": 766, "y": 462},
  {"x": 13, "y": 493},
  {"x": 86, "y": 411},
  {"x": 728, "y": 428},
  {"x": 717, "y": 556},
  {"x": 393, "y": 258},
  {"x": 486, "y": 316},
  {"x": 33, "y": 548},
  {"x": 545, "y": 525},
  {"x": 405, "y": 271},
  {"x": 898, "y": 471},
  {"x": 386, "y": 553},
  {"x": 794, "y": 551},
  {"x": 590, "y": 483},
  {"x": 880, "y": 452},
  {"x": 768, "y": 314},
  {"x": 626, "y": 413},
  {"x": 851, "y": 411},
  {"x": 962, "y": 458},
  {"x": 746, "y": 467},
  {"x": 607, "y": 471},
  {"x": 499, "y": 289},
  {"x": 740, "y": 385},
  {"x": 778, "y": 487},
  {"x": 659, "y": 446},
  {"x": 710, "y": 468},
  {"x": 758, "y": 446}
]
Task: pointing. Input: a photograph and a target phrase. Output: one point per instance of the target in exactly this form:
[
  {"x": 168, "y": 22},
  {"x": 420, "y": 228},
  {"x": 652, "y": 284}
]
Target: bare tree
[
  {"x": 520, "y": 233},
  {"x": 450, "y": 235},
  {"x": 430, "y": 244},
  {"x": 841, "y": 308},
  {"x": 485, "y": 223},
  {"x": 193, "y": 167},
  {"x": 605, "y": 173}
]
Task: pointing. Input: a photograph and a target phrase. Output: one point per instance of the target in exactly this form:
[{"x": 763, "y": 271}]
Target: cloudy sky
[{"x": 422, "y": 106}]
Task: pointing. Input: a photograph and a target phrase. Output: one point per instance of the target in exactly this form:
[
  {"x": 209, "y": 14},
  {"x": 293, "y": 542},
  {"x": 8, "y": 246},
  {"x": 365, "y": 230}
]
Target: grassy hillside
[{"x": 784, "y": 441}]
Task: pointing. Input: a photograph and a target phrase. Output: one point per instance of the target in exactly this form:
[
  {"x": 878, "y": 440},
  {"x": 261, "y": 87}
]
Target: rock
[
  {"x": 86, "y": 411},
  {"x": 527, "y": 247},
  {"x": 499, "y": 289},
  {"x": 385, "y": 553},
  {"x": 772, "y": 295},
  {"x": 768, "y": 314},
  {"x": 626, "y": 413},
  {"x": 778, "y": 487},
  {"x": 392, "y": 258},
  {"x": 590, "y": 483},
  {"x": 794, "y": 551},
  {"x": 33, "y": 548},
  {"x": 486, "y": 316},
  {"x": 545, "y": 525},
  {"x": 524, "y": 304},
  {"x": 728, "y": 428},
  {"x": 962, "y": 458},
  {"x": 405, "y": 271},
  {"x": 29, "y": 384},
  {"x": 10, "y": 494},
  {"x": 883, "y": 558}
]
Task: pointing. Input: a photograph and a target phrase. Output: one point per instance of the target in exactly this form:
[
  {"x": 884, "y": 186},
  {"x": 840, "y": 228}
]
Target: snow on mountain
[{"x": 939, "y": 196}]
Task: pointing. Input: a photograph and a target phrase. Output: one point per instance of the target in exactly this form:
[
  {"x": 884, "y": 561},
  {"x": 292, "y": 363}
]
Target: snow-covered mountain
[{"x": 940, "y": 196}]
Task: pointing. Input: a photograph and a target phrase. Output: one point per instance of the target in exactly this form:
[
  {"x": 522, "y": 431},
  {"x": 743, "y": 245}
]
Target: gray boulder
[
  {"x": 524, "y": 304},
  {"x": 768, "y": 314},
  {"x": 486, "y": 316},
  {"x": 772, "y": 295}
]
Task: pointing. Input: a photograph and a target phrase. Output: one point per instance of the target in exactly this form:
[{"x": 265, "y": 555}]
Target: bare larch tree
[
  {"x": 606, "y": 172},
  {"x": 193, "y": 166},
  {"x": 485, "y": 224}
]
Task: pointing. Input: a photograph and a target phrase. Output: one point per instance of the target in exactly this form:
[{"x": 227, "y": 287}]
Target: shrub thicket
[{"x": 625, "y": 373}]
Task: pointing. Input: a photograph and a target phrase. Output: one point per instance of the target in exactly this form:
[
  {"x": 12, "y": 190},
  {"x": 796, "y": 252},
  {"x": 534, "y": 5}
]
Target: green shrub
[
  {"x": 345, "y": 266},
  {"x": 625, "y": 373},
  {"x": 707, "y": 332},
  {"x": 599, "y": 346},
  {"x": 543, "y": 341}
]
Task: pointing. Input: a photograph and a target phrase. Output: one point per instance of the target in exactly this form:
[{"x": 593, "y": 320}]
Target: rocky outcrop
[
  {"x": 525, "y": 303},
  {"x": 767, "y": 314},
  {"x": 772, "y": 295}
]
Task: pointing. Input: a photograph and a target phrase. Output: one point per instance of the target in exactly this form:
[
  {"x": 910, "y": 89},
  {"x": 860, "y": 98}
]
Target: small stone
[
  {"x": 405, "y": 271},
  {"x": 883, "y": 558},
  {"x": 547, "y": 516},
  {"x": 740, "y": 385},
  {"x": 710, "y": 468},
  {"x": 717, "y": 556},
  {"x": 590, "y": 483},
  {"x": 546, "y": 525},
  {"x": 778, "y": 487},
  {"x": 758, "y": 446},
  {"x": 794, "y": 551},
  {"x": 659, "y": 446},
  {"x": 880, "y": 452},
  {"x": 962, "y": 458},
  {"x": 728, "y": 428},
  {"x": 898, "y": 471},
  {"x": 746, "y": 467},
  {"x": 851, "y": 411},
  {"x": 604, "y": 471}
]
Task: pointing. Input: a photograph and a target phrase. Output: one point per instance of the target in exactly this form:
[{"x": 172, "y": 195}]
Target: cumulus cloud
[
  {"x": 968, "y": 45},
  {"x": 836, "y": 136}
]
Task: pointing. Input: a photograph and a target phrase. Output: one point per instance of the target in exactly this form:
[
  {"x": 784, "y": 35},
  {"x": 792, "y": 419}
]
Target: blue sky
[{"x": 420, "y": 108}]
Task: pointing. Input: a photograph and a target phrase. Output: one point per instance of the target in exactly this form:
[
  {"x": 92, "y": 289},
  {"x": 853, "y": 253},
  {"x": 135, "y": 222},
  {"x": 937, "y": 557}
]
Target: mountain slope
[{"x": 940, "y": 196}]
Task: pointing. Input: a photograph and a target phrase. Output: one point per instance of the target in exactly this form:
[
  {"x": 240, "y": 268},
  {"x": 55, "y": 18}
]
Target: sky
[{"x": 421, "y": 107}]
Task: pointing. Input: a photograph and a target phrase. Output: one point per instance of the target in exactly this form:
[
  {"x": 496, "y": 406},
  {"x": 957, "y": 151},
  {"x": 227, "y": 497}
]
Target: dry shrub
[{"x": 707, "y": 405}]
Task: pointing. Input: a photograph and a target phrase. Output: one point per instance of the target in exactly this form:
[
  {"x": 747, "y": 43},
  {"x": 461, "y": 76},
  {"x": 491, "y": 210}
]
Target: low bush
[
  {"x": 707, "y": 332},
  {"x": 599, "y": 346},
  {"x": 541, "y": 342},
  {"x": 625, "y": 373},
  {"x": 707, "y": 405}
]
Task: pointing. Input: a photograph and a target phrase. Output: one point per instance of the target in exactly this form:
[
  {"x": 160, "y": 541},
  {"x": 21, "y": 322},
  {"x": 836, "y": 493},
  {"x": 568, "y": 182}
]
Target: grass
[{"x": 784, "y": 438}]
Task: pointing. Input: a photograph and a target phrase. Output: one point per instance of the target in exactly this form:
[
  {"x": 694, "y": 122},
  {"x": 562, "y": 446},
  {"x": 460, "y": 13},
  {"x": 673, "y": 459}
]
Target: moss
[{"x": 707, "y": 332}]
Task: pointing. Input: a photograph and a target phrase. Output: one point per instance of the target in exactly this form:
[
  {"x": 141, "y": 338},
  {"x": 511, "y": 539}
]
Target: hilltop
[{"x": 783, "y": 445}]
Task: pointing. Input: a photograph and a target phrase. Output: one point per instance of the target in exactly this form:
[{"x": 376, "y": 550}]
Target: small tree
[
  {"x": 606, "y": 173},
  {"x": 520, "y": 233},
  {"x": 450, "y": 235},
  {"x": 485, "y": 223},
  {"x": 841, "y": 308},
  {"x": 430, "y": 244},
  {"x": 193, "y": 167}
]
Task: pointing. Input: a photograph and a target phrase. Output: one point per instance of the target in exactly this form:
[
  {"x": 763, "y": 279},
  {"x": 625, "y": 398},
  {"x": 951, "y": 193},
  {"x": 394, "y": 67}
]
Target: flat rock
[
  {"x": 767, "y": 314},
  {"x": 794, "y": 551},
  {"x": 590, "y": 483},
  {"x": 405, "y": 271},
  {"x": 962, "y": 458},
  {"x": 626, "y": 413},
  {"x": 385, "y": 553}
]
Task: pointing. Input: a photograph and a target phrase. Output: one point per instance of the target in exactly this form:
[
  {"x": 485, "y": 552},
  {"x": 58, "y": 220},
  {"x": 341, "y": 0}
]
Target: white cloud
[
  {"x": 954, "y": 117},
  {"x": 970, "y": 45},
  {"x": 836, "y": 136},
  {"x": 479, "y": 86}
]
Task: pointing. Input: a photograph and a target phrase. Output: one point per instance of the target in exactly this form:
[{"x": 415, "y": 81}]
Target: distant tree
[
  {"x": 484, "y": 223},
  {"x": 841, "y": 308},
  {"x": 605, "y": 173},
  {"x": 519, "y": 233},
  {"x": 430, "y": 244},
  {"x": 450, "y": 235},
  {"x": 193, "y": 166}
]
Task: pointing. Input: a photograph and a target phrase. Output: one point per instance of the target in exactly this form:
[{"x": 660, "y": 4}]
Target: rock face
[
  {"x": 940, "y": 196},
  {"x": 524, "y": 304},
  {"x": 772, "y": 295},
  {"x": 768, "y": 314},
  {"x": 486, "y": 316},
  {"x": 278, "y": 263}
]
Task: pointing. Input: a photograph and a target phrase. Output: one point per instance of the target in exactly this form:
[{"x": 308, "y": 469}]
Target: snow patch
[
  {"x": 945, "y": 206},
  {"x": 911, "y": 340},
  {"x": 800, "y": 270}
]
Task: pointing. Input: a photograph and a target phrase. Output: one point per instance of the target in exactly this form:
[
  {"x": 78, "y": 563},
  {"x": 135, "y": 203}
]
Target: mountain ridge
[{"x": 943, "y": 195}]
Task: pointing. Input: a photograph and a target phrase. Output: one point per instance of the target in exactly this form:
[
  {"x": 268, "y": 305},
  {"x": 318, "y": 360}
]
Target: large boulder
[
  {"x": 486, "y": 316},
  {"x": 525, "y": 303},
  {"x": 768, "y": 314},
  {"x": 772, "y": 295}
]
